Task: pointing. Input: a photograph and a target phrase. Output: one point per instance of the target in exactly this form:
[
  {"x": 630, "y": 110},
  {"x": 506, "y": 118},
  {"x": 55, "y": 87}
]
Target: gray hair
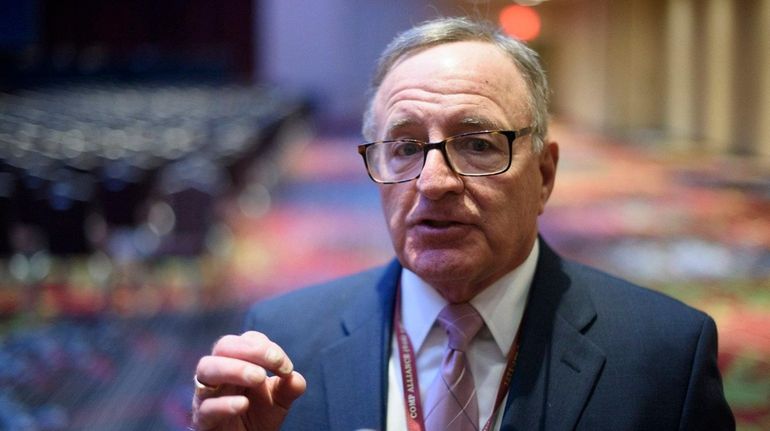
[{"x": 447, "y": 30}]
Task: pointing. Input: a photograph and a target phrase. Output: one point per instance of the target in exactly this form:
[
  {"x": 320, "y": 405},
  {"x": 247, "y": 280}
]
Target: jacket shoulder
[
  {"x": 314, "y": 312},
  {"x": 625, "y": 298},
  {"x": 328, "y": 295}
]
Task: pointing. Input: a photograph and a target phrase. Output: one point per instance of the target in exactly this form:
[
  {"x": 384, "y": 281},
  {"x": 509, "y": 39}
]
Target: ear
[{"x": 549, "y": 160}]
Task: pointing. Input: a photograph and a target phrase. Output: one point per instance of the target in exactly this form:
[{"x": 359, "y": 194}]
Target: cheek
[
  {"x": 393, "y": 203},
  {"x": 511, "y": 208}
]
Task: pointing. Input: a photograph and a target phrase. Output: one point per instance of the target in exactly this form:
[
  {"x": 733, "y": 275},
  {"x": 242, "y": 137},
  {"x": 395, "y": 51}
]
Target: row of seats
[{"x": 79, "y": 159}]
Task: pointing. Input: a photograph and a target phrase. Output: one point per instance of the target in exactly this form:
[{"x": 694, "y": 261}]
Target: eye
[
  {"x": 472, "y": 144},
  {"x": 478, "y": 145},
  {"x": 405, "y": 148}
]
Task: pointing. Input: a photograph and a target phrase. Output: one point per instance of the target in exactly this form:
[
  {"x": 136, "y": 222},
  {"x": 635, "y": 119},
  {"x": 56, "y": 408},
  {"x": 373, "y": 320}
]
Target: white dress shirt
[{"x": 501, "y": 305}]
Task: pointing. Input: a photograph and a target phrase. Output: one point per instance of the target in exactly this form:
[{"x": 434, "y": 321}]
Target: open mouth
[{"x": 438, "y": 223}]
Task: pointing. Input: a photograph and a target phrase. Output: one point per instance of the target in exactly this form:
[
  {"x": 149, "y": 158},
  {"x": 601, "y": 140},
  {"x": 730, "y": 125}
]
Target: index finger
[{"x": 256, "y": 348}]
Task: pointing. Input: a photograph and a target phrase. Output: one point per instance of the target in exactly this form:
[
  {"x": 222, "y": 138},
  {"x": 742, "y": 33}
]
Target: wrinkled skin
[{"x": 458, "y": 233}]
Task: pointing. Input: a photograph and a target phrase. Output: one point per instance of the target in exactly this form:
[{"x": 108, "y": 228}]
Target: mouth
[{"x": 439, "y": 224}]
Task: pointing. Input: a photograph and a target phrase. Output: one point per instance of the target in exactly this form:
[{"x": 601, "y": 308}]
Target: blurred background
[{"x": 165, "y": 164}]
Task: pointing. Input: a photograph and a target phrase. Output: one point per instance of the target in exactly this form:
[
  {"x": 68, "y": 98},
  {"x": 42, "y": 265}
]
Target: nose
[{"x": 437, "y": 177}]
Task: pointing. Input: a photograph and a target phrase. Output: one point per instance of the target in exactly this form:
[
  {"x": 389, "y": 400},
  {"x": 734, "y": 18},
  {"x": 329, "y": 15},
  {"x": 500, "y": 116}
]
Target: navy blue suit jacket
[{"x": 597, "y": 353}]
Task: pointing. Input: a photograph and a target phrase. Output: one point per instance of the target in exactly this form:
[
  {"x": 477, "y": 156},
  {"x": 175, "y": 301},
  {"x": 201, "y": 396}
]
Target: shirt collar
[{"x": 500, "y": 304}]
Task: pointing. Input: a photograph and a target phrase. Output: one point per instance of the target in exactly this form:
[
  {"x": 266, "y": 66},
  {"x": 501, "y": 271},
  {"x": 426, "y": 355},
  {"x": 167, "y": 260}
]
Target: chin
[{"x": 443, "y": 266}]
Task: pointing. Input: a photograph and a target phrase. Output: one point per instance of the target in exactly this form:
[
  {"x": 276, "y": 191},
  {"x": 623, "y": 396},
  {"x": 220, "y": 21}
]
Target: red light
[{"x": 520, "y": 22}]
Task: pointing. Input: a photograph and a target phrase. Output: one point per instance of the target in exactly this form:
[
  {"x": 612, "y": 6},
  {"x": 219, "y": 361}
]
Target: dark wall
[{"x": 52, "y": 39}]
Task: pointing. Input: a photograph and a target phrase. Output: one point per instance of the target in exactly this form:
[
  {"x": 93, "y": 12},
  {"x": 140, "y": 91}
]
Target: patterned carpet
[{"x": 695, "y": 227}]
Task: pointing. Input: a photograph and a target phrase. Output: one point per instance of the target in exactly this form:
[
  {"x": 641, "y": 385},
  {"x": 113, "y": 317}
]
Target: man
[{"x": 478, "y": 324}]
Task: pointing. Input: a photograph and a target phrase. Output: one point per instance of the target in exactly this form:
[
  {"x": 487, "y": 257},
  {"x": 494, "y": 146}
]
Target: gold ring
[{"x": 202, "y": 389}]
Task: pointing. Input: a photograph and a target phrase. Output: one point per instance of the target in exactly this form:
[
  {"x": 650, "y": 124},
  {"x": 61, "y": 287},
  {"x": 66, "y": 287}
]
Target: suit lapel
[
  {"x": 558, "y": 365},
  {"x": 355, "y": 368}
]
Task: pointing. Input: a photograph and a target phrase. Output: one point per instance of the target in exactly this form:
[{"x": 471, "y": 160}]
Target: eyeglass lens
[{"x": 474, "y": 154}]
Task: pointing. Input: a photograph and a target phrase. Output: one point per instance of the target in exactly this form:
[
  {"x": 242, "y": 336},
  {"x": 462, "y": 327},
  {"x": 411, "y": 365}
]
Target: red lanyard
[{"x": 412, "y": 403}]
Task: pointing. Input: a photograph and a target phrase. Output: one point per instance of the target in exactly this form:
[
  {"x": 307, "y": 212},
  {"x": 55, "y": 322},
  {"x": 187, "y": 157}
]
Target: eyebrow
[
  {"x": 479, "y": 122},
  {"x": 401, "y": 123},
  {"x": 405, "y": 123}
]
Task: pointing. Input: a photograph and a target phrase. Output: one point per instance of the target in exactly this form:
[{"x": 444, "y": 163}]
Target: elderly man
[{"x": 478, "y": 324}]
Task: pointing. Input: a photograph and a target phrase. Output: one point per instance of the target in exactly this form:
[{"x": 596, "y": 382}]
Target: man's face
[{"x": 458, "y": 233}]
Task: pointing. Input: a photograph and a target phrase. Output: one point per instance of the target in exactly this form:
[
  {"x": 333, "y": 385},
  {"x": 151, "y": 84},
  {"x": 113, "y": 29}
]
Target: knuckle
[
  {"x": 205, "y": 365},
  {"x": 225, "y": 343},
  {"x": 254, "y": 336}
]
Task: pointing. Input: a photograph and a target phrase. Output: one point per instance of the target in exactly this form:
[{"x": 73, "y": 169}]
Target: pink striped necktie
[{"x": 451, "y": 403}]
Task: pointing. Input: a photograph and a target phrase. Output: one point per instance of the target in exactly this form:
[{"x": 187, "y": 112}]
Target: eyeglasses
[{"x": 473, "y": 154}]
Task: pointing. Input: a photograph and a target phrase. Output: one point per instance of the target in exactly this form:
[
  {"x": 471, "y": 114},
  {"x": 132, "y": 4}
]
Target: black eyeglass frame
[{"x": 511, "y": 135}]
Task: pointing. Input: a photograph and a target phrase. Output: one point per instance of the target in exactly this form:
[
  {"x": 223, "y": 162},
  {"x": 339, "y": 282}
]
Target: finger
[
  {"x": 287, "y": 389},
  {"x": 277, "y": 360},
  {"x": 219, "y": 370},
  {"x": 256, "y": 348},
  {"x": 213, "y": 412}
]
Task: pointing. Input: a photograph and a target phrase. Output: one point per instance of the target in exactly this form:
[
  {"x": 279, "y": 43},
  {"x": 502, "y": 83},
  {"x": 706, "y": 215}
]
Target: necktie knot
[{"x": 461, "y": 322}]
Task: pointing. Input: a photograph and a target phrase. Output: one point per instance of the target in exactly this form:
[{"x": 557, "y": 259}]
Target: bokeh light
[{"x": 521, "y": 22}]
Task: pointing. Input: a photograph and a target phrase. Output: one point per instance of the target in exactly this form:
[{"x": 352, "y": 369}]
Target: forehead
[{"x": 453, "y": 82}]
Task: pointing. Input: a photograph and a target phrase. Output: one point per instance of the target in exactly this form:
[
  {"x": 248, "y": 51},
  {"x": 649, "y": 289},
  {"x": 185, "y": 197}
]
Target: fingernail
[
  {"x": 272, "y": 356},
  {"x": 287, "y": 367}
]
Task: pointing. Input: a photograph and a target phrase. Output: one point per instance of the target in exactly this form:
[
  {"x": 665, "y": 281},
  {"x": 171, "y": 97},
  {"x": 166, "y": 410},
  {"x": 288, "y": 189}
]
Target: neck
[{"x": 456, "y": 294}]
